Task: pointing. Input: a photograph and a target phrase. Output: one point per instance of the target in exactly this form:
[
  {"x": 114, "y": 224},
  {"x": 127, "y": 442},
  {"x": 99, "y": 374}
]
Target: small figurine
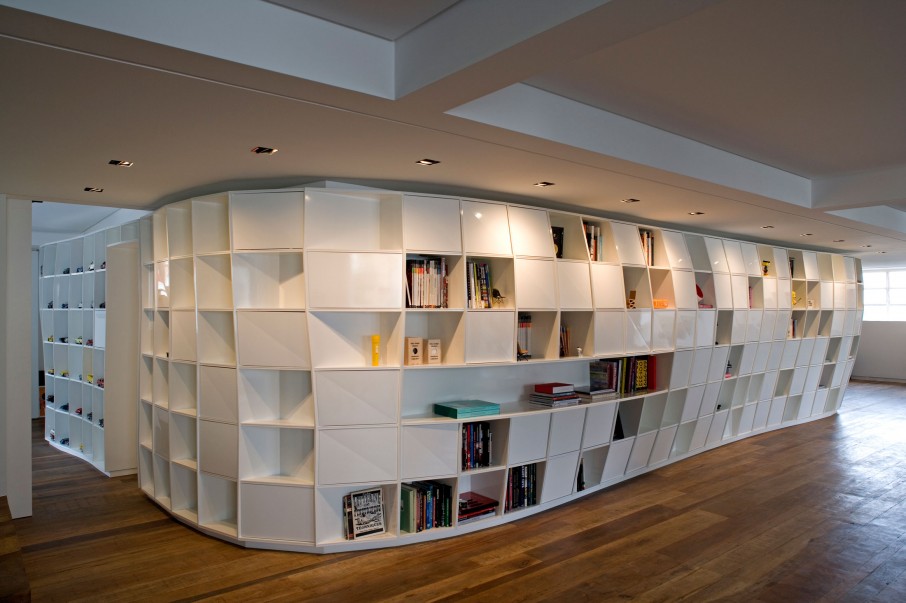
[
  {"x": 765, "y": 265},
  {"x": 90, "y": 266},
  {"x": 89, "y": 378},
  {"x": 53, "y": 435},
  {"x": 100, "y": 383},
  {"x": 497, "y": 297},
  {"x": 78, "y": 340},
  {"x": 50, "y": 304}
]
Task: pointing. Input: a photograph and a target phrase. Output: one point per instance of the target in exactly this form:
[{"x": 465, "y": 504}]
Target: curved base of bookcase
[{"x": 388, "y": 540}]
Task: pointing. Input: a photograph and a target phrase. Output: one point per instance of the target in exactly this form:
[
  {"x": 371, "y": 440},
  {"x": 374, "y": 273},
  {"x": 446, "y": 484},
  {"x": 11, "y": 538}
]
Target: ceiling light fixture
[
  {"x": 839, "y": 240},
  {"x": 120, "y": 163},
  {"x": 427, "y": 162},
  {"x": 696, "y": 213},
  {"x": 882, "y": 252},
  {"x": 866, "y": 245},
  {"x": 806, "y": 234},
  {"x": 263, "y": 150},
  {"x": 93, "y": 189},
  {"x": 543, "y": 184},
  {"x": 769, "y": 226},
  {"x": 631, "y": 200}
]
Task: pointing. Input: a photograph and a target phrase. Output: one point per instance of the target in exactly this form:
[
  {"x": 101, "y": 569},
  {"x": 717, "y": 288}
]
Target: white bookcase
[
  {"x": 262, "y": 402},
  {"x": 89, "y": 301}
]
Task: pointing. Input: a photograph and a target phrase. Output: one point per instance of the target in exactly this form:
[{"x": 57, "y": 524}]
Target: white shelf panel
[
  {"x": 266, "y": 220},
  {"x": 432, "y": 224},
  {"x": 275, "y": 339},
  {"x": 485, "y": 229},
  {"x": 355, "y": 280}
]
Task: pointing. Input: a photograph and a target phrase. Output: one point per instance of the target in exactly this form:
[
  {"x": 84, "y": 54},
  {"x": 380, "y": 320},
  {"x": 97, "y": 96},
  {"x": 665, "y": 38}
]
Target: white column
[{"x": 15, "y": 354}]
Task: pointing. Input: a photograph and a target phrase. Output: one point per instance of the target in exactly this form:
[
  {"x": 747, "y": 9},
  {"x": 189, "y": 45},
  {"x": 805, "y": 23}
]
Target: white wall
[
  {"x": 882, "y": 351},
  {"x": 15, "y": 354}
]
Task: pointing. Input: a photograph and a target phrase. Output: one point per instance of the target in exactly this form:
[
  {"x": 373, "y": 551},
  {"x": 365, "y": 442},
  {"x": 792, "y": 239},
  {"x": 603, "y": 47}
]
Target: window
[{"x": 885, "y": 294}]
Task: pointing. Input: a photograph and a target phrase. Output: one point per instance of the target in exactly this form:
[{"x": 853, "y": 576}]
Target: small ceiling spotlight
[
  {"x": 93, "y": 189},
  {"x": 631, "y": 200},
  {"x": 839, "y": 240},
  {"x": 806, "y": 234},
  {"x": 696, "y": 213},
  {"x": 866, "y": 246},
  {"x": 543, "y": 184},
  {"x": 263, "y": 150},
  {"x": 120, "y": 163},
  {"x": 882, "y": 252},
  {"x": 768, "y": 226},
  {"x": 427, "y": 162}
]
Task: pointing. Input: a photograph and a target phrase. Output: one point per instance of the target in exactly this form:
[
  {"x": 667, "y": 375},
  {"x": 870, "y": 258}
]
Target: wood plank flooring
[{"x": 809, "y": 513}]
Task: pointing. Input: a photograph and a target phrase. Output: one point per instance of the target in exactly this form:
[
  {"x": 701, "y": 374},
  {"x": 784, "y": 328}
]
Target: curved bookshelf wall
[
  {"x": 276, "y": 379},
  {"x": 87, "y": 299}
]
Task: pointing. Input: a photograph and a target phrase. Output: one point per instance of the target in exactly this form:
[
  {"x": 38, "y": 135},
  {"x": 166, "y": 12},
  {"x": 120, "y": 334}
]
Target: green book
[
  {"x": 459, "y": 409},
  {"x": 408, "y": 508}
]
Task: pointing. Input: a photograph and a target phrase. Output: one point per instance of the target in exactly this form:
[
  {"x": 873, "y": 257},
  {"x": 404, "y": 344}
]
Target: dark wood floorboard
[{"x": 810, "y": 513}]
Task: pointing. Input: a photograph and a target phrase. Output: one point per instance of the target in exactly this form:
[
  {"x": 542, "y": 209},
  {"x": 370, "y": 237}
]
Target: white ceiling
[{"x": 756, "y": 112}]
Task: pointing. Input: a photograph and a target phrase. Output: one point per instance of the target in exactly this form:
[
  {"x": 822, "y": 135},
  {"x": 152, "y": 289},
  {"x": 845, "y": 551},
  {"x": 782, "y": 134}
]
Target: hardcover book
[
  {"x": 459, "y": 409},
  {"x": 553, "y": 388},
  {"x": 366, "y": 513}
]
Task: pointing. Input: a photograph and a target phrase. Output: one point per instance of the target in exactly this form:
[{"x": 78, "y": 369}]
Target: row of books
[
  {"x": 476, "y": 445},
  {"x": 425, "y": 505},
  {"x": 473, "y": 505},
  {"x": 478, "y": 285},
  {"x": 524, "y": 337},
  {"x": 594, "y": 238},
  {"x": 622, "y": 376},
  {"x": 554, "y": 395},
  {"x": 522, "y": 487},
  {"x": 426, "y": 280}
]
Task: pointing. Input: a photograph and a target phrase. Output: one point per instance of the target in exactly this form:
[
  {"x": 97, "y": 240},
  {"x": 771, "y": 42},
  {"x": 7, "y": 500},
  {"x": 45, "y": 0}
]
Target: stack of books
[
  {"x": 587, "y": 395},
  {"x": 464, "y": 409},
  {"x": 554, "y": 395},
  {"x": 473, "y": 505}
]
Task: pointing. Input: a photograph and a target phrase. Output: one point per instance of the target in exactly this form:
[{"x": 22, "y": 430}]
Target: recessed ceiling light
[
  {"x": 696, "y": 213},
  {"x": 806, "y": 234},
  {"x": 866, "y": 245},
  {"x": 631, "y": 200},
  {"x": 427, "y": 162},
  {"x": 882, "y": 252},
  {"x": 839, "y": 240},
  {"x": 767, "y": 226},
  {"x": 263, "y": 150},
  {"x": 543, "y": 184},
  {"x": 93, "y": 189},
  {"x": 120, "y": 163}
]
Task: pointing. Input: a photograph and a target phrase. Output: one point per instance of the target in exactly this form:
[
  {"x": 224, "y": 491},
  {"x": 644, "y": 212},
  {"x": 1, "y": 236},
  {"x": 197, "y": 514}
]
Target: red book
[{"x": 553, "y": 388}]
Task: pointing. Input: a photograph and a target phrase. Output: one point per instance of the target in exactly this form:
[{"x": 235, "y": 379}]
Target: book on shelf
[
  {"x": 524, "y": 337},
  {"x": 425, "y": 505},
  {"x": 426, "y": 280},
  {"x": 461, "y": 409},
  {"x": 554, "y": 388},
  {"x": 477, "y": 442},
  {"x": 594, "y": 240},
  {"x": 647, "y": 246},
  {"x": 564, "y": 340},
  {"x": 554, "y": 401},
  {"x": 472, "y": 505},
  {"x": 557, "y": 234},
  {"x": 363, "y": 513},
  {"x": 586, "y": 395},
  {"x": 521, "y": 487}
]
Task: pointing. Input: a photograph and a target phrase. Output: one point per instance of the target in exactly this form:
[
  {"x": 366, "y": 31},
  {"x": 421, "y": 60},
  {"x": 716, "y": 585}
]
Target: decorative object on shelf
[
  {"x": 434, "y": 351},
  {"x": 50, "y": 371},
  {"x": 375, "y": 350},
  {"x": 101, "y": 422},
  {"x": 90, "y": 342},
  {"x": 104, "y": 265},
  {"x": 50, "y": 304},
  {"x": 53, "y": 435},
  {"x": 91, "y": 267},
  {"x": 90, "y": 378},
  {"x": 659, "y": 304},
  {"x": 64, "y": 306},
  {"x": 64, "y": 339},
  {"x": 461, "y": 409},
  {"x": 103, "y": 305},
  {"x": 579, "y": 352},
  {"x": 88, "y": 416},
  {"x": 100, "y": 383},
  {"x": 78, "y": 411},
  {"x": 415, "y": 347},
  {"x": 64, "y": 442},
  {"x": 795, "y": 299},
  {"x": 729, "y": 372},
  {"x": 64, "y": 374},
  {"x": 79, "y": 270},
  {"x": 497, "y": 298},
  {"x": 364, "y": 513},
  {"x": 630, "y": 301},
  {"x": 78, "y": 341},
  {"x": 49, "y": 398},
  {"x": 765, "y": 266},
  {"x": 65, "y": 407},
  {"x": 50, "y": 339},
  {"x": 557, "y": 234},
  {"x": 65, "y": 270}
]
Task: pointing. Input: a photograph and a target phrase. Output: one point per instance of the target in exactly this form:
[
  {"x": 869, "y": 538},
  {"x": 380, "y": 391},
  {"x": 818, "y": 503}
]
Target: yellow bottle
[{"x": 375, "y": 350}]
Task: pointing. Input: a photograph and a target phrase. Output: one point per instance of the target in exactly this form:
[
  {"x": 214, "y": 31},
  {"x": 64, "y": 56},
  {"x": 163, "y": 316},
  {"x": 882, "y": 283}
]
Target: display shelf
[
  {"x": 290, "y": 411},
  {"x": 210, "y": 224},
  {"x": 376, "y": 227},
  {"x": 266, "y": 220}
]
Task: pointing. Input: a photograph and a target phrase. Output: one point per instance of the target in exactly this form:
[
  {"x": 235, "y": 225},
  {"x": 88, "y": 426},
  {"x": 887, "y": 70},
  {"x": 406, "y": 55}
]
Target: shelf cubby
[
  {"x": 267, "y": 220},
  {"x": 182, "y": 283},
  {"x": 576, "y": 332},
  {"x": 276, "y": 339},
  {"x": 277, "y": 455},
  {"x": 183, "y": 441},
  {"x": 592, "y": 466},
  {"x": 213, "y": 282},
  {"x": 218, "y": 395},
  {"x": 211, "y": 224},
  {"x": 342, "y": 454},
  {"x": 603, "y": 249},
  {"x": 162, "y": 334},
  {"x": 184, "y": 492},
  {"x": 216, "y": 338},
  {"x": 446, "y": 325},
  {"x": 607, "y": 286},
  {"x": 218, "y": 448},
  {"x": 354, "y": 280},
  {"x": 574, "y": 285},
  {"x": 536, "y": 283},
  {"x": 160, "y": 389},
  {"x": 530, "y": 232},
  {"x": 574, "y": 241},
  {"x": 183, "y": 383},
  {"x": 218, "y": 504},
  {"x": 455, "y": 281},
  {"x": 432, "y": 224},
  {"x": 344, "y": 339},
  {"x": 161, "y": 474},
  {"x": 182, "y": 335},
  {"x": 329, "y": 512},
  {"x": 279, "y": 398},
  {"x": 377, "y": 225}
]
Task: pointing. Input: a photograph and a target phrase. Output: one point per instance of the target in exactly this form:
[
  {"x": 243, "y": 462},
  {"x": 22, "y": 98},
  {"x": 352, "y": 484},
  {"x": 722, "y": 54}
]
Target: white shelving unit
[
  {"x": 262, "y": 402},
  {"x": 89, "y": 300}
]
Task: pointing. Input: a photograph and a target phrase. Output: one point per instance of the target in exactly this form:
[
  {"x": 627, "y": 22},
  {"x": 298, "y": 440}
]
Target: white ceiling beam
[{"x": 876, "y": 187}]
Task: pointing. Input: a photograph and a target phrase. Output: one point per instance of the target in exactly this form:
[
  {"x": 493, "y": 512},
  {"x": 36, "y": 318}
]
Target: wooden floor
[{"x": 810, "y": 513}]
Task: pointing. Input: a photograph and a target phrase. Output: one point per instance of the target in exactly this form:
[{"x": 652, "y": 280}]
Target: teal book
[{"x": 462, "y": 409}]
